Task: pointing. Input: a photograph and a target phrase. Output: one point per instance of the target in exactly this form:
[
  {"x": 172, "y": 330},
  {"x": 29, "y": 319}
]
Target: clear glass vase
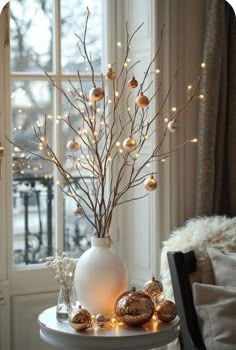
[{"x": 66, "y": 303}]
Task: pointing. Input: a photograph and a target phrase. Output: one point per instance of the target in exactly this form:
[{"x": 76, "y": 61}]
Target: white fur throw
[{"x": 197, "y": 234}]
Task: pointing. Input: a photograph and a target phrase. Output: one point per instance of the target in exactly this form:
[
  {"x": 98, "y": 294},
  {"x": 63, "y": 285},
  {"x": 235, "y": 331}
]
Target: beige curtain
[{"x": 216, "y": 178}]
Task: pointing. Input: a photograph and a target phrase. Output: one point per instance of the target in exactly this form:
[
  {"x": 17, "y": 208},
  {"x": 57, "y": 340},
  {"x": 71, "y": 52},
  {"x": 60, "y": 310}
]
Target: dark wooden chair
[{"x": 181, "y": 265}]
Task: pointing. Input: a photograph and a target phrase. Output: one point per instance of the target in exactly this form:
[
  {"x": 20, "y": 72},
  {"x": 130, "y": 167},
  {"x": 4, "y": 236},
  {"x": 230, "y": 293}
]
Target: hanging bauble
[
  {"x": 142, "y": 101},
  {"x": 134, "y": 308},
  {"x": 73, "y": 146},
  {"x": 150, "y": 184},
  {"x": 96, "y": 94},
  {"x": 129, "y": 144},
  {"x": 111, "y": 75},
  {"x": 100, "y": 320},
  {"x": 166, "y": 311},
  {"x": 80, "y": 319},
  {"x": 132, "y": 83},
  {"x": 79, "y": 211},
  {"x": 153, "y": 288},
  {"x": 172, "y": 125}
]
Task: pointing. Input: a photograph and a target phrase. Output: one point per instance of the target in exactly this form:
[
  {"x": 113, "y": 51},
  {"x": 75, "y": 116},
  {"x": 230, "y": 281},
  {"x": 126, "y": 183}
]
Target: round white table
[{"x": 151, "y": 335}]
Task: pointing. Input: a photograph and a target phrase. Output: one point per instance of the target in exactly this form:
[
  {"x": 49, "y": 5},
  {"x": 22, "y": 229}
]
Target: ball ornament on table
[
  {"x": 153, "y": 288},
  {"x": 172, "y": 125},
  {"x": 96, "y": 94},
  {"x": 80, "y": 319},
  {"x": 111, "y": 75},
  {"x": 73, "y": 146},
  {"x": 129, "y": 144},
  {"x": 132, "y": 83},
  {"x": 142, "y": 101},
  {"x": 100, "y": 320},
  {"x": 150, "y": 184},
  {"x": 134, "y": 308},
  {"x": 166, "y": 311}
]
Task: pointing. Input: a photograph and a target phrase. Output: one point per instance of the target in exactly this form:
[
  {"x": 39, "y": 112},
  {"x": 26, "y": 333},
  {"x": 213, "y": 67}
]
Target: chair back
[{"x": 181, "y": 266}]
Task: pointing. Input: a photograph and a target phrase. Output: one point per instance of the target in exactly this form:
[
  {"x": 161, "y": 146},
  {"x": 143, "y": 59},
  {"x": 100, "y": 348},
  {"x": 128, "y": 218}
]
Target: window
[{"x": 43, "y": 40}]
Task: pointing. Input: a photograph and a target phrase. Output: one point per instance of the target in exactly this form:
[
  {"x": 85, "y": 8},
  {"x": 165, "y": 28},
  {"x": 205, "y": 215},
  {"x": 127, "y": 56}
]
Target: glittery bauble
[
  {"x": 80, "y": 319},
  {"x": 172, "y": 126},
  {"x": 150, "y": 184},
  {"x": 166, "y": 311},
  {"x": 132, "y": 83},
  {"x": 111, "y": 75},
  {"x": 73, "y": 146},
  {"x": 142, "y": 101},
  {"x": 134, "y": 308},
  {"x": 153, "y": 288},
  {"x": 129, "y": 144},
  {"x": 100, "y": 320},
  {"x": 96, "y": 94},
  {"x": 79, "y": 211}
]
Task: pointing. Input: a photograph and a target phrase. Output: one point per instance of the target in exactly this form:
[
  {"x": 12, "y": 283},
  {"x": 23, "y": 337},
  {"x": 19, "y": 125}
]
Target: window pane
[
  {"x": 73, "y": 21},
  {"x": 77, "y": 229},
  {"x": 31, "y": 36},
  {"x": 32, "y": 177}
]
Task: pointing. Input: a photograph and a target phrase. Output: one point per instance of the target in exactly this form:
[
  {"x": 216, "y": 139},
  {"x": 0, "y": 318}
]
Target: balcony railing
[{"x": 33, "y": 222}]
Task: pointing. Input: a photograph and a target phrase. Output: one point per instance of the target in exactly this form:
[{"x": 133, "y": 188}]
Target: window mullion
[{"x": 59, "y": 224}]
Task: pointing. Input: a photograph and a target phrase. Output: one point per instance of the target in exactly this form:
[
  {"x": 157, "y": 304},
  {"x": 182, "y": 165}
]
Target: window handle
[
  {"x": 1, "y": 156},
  {"x": 2, "y": 299}
]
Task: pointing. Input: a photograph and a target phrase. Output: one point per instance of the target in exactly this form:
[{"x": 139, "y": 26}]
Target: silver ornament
[
  {"x": 172, "y": 125},
  {"x": 100, "y": 320},
  {"x": 79, "y": 211}
]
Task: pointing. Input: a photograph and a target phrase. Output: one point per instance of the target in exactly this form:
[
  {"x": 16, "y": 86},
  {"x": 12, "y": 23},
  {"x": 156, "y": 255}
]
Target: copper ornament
[
  {"x": 80, "y": 319},
  {"x": 134, "y": 308},
  {"x": 153, "y": 288},
  {"x": 96, "y": 94},
  {"x": 111, "y": 75},
  {"x": 129, "y": 144},
  {"x": 166, "y": 311},
  {"x": 150, "y": 184},
  {"x": 142, "y": 101},
  {"x": 172, "y": 125},
  {"x": 132, "y": 83},
  {"x": 73, "y": 146}
]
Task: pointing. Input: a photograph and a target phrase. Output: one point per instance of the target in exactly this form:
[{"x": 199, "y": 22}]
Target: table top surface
[{"x": 148, "y": 336}]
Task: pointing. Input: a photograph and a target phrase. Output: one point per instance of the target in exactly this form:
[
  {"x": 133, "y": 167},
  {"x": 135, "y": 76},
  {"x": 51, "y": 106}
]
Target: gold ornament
[
  {"x": 111, "y": 75},
  {"x": 150, "y": 184},
  {"x": 100, "y": 320},
  {"x": 142, "y": 101},
  {"x": 80, "y": 319},
  {"x": 132, "y": 83},
  {"x": 73, "y": 146},
  {"x": 166, "y": 311},
  {"x": 96, "y": 94},
  {"x": 134, "y": 308},
  {"x": 172, "y": 125},
  {"x": 129, "y": 144},
  {"x": 153, "y": 288}
]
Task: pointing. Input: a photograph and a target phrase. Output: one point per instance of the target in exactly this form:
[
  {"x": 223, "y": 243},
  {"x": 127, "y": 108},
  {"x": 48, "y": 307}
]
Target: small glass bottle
[{"x": 66, "y": 303}]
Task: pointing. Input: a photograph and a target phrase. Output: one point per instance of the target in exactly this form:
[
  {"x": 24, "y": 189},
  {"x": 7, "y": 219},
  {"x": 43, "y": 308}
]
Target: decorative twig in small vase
[{"x": 63, "y": 268}]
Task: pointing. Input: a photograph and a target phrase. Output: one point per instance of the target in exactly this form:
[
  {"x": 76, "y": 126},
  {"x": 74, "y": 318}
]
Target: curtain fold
[{"x": 216, "y": 177}]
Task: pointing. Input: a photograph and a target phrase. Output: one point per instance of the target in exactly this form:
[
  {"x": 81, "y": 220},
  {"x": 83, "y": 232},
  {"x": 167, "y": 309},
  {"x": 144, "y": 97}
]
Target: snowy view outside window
[{"x": 36, "y": 39}]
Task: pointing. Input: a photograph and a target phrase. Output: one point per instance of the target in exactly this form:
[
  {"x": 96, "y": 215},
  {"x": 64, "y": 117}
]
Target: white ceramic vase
[{"x": 100, "y": 278}]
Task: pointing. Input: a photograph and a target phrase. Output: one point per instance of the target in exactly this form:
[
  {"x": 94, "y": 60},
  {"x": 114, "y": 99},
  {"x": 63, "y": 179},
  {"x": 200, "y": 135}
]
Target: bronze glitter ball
[{"x": 134, "y": 308}]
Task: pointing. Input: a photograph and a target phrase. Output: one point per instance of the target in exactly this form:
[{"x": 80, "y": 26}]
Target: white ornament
[
  {"x": 73, "y": 146},
  {"x": 172, "y": 125}
]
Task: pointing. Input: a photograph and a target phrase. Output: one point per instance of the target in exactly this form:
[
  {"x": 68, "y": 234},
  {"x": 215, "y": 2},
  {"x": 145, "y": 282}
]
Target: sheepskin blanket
[{"x": 197, "y": 234}]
